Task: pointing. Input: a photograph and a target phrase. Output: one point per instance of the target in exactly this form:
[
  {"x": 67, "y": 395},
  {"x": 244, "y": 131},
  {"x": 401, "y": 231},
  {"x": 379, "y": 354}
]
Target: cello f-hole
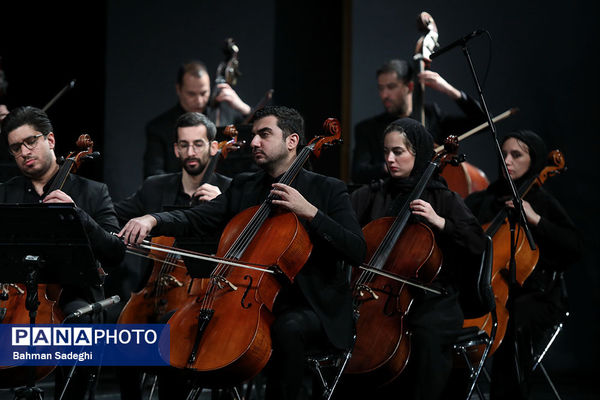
[
  {"x": 389, "y": 308},
  {"x": 247, "y": 306}
]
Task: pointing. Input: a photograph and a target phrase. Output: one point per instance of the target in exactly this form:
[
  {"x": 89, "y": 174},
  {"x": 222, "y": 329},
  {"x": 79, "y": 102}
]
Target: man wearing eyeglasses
[
  {"x": 30, "y": 138},
  {"x": 194, "y": 146}
]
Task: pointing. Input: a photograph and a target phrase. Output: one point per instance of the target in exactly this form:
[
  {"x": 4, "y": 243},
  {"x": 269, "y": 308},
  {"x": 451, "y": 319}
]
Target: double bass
[
  {"x": 399, "y": 255},
  {"x": 13, "y": 296},
  {"x": 223, "y": 335},
  {"x": 526, "y": 259},
  {"x": 227, "y": 72},
  {"x": 463, "y": 178}
]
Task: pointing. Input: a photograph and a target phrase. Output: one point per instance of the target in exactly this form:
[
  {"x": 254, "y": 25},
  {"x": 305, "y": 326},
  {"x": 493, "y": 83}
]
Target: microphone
[
  {"x": 462, "y": 41},
  {"x": 94, "y": 307}
]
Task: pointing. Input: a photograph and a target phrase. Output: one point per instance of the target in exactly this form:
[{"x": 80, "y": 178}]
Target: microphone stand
[{"x": 516, "y": 216}]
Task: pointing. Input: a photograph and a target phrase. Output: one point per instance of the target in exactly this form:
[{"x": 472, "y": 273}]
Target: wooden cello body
[
  {"x": 170, "y": 285},
  {"x": 465, "y": 179},
  {"x": 382, "y": 345},
  {"x": 15, "y": 312},
  {"x": 403, "y": 250},
  {"x": 167, "y": 289},
  {"x": 235, "y": 343},
  {"x": 223, "y": 336}
]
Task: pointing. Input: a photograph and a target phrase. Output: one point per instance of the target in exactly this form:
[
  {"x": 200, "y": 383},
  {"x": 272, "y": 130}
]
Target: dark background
[{"x": 321, "y": 57}]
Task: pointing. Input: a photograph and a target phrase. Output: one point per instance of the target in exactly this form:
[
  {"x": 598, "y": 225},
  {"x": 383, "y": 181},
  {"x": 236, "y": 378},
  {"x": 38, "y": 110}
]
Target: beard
[
  {"x": 44, "y": 163},
  {"x": 269, "y": 162},
  {"x": 193, "y": 170}
]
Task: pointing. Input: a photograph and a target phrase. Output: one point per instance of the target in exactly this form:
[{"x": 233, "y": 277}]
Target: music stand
[{"x": 43, "y": 243}]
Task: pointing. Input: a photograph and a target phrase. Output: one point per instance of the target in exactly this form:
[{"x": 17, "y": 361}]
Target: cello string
[
  {"x": 380, "y": 256},
  {"x": 256, "y": 222}
]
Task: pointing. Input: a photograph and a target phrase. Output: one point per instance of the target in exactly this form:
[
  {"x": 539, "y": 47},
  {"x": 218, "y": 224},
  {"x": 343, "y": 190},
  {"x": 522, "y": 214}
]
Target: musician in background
[
  {"x": 194, "y": 94},
  {"x": 396, "y": 87},
  {"x": 316, "y": 310},
  {"x": 30, "y": 138},
  {"x": 541, "y": 302},
  {"x": 433, "y": 320}
]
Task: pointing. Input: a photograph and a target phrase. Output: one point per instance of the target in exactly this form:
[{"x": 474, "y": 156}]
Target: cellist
[
  {"x": 194, "y": 145},
  {"x": 31, "y": 141},
  {"x": 433, "y": 320},
  {"x": 316, "y": 310},
  {"x": 542, "y": 301}
]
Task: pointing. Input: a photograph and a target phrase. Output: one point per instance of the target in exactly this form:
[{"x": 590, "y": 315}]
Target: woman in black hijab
[
  {"x": 433, "y": 320},
  {"x": 541, "y": 302}
]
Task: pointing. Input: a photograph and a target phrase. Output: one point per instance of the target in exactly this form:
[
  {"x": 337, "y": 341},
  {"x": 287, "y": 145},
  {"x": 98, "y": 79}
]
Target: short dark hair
[
  {"x": 196, "y": 119},
  {"x": 195, "y": 68},
  {"x": 26, "y": 115},
  {"x": 288, "y": 120},
  {"x": 404, "y": 71}
]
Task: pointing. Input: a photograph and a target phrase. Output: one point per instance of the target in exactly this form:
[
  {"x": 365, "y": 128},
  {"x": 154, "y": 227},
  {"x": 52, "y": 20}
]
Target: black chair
[
  {"x": 328, "y": 367},
  {"x": 481, "y": 302},
  {"x": 540, "y": 351}
]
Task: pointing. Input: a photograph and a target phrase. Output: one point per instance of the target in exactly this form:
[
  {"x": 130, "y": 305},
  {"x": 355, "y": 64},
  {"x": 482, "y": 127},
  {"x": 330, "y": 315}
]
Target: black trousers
[{"x": 294, "y": 333}]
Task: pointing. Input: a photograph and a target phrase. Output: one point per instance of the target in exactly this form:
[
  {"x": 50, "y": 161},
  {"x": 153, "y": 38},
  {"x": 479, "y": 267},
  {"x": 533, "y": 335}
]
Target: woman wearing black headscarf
[
  {"x": 541, "y": 302},
  {"x": 433, "y": 320}
]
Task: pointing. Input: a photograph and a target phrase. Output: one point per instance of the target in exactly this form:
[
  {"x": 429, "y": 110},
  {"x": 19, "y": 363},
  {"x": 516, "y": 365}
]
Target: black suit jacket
[
  {"x": 334, "y": 232},
  {"x": 159, "y": 191},
  {"x": 96, "y": 211}
]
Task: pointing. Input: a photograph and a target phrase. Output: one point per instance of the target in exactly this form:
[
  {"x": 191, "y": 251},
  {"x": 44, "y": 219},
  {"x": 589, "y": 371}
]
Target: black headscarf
[
  {"x": 499, "y": 191},
  {"x": 537, "y": 150},
  {"x": 422, "y": 143}
]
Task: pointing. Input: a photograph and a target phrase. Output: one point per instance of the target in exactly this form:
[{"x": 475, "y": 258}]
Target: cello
[
  {"x": 224, "y": 335},
  {"x": 170, "y": 285},
  {"x": 13, "y": 296},
  {"x": 400, "y": 255},
  {"x": 463, "y": 178},
  {"x": 526, "y": 259}
]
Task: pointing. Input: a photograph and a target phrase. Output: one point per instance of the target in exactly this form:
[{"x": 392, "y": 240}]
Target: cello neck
[
  {"x": 383, "y": 251},
  {"x": 212, "y": 166},
  {"x": 498, "y": 220},
  {"x": 61, "y": 175},
  {"x": 250, "y": 230}
]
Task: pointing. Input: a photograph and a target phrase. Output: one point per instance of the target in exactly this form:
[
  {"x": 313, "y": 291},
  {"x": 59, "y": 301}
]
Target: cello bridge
[
  {"x": 169, "y": 280},
  {"x": 364, "y": 288},
  {"x": 221, "y": 281}
]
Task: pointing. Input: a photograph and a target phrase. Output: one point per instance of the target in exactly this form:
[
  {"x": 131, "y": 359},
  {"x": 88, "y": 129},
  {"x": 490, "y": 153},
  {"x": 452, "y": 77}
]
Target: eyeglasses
[
  {"x": 197, "y": 144},
  {"x": 29, "y": 142}
]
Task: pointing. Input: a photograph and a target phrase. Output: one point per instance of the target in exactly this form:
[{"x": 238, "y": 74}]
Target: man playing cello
[{"x": 316, "y": 310}]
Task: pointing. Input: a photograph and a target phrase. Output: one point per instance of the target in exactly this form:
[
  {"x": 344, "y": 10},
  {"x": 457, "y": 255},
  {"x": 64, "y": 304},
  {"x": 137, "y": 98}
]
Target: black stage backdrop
[{"x": 125, "y": 54}]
